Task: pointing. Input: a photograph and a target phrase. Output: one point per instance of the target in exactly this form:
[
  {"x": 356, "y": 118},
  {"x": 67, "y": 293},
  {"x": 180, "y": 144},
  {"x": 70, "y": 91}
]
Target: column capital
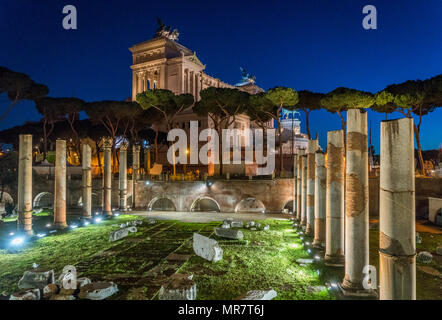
[
  {"x": 124, "y": 146},
  {"x": 107, "y": 142}
]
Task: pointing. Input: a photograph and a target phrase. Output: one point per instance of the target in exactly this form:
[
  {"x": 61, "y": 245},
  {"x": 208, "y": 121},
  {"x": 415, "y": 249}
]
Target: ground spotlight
[
  {"x": 41, "y": 235},
  {"x": 74, "y": 226},
  {"x": 147, "y": 183},
  {"x": 18, "y": 241},
  {"x": 317, "y": 257},
  {"x": 98, "y": 220},
  {"x": 309, "y": 251},
  {"x": 86, "y": 223},
  {"x": 48, "y": 225},
  {"x": 12, "y": 233}
]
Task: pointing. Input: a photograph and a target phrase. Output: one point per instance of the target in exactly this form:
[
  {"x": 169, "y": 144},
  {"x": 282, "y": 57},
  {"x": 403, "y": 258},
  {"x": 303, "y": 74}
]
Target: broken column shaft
[
  {"x": 310, "y": 206},
  {"x": 295, "y": 174},
  {"x": 107, "y": 176},
  {"x": 397, "y": 241},
  {"x": 123, "y": 176},
  {"x": 24, "y": 206},
  {"x": 135, "y": 171},
  {"x": 320, "y": 183},
  {"x": 304, "y": 191},
  {"x": 299, "y": 185},
  {"x": 60, "y": 185},
  {"x": 86, "y": 182}
]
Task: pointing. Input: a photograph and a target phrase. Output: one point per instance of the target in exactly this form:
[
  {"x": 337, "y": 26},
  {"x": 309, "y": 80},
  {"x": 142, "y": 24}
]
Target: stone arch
[
  {"x": 164, "y": 203},
  {"x": 44, "y": 200},
  {"x": 288, "y": 205},
  {"x": 205, "y": 203},
  {"x": 250, "y": 205},
  {"x": 6, "y": 199}
]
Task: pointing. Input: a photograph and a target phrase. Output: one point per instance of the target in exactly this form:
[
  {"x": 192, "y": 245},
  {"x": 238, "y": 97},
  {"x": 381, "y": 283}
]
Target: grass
[{"x": 138, "y": 264}]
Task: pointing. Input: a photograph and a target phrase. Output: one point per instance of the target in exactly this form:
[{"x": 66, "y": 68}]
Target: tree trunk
[
  {"x": 156, "y": 145},
  {"x": 307, "y": 124},
  {"x": 97, "y": 147},
  {"x": 419, "y": 149}
]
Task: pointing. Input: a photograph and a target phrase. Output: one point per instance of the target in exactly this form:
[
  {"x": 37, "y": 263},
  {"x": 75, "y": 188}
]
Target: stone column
[
  {"x": 134, "y": 85},
  {"x": 147, "y": 162},
  {"x": 299, "y": 185},
  {"x": 334, "y": 207},
  {"x": 24, "y": 206},
  {"x": 123, "y": 176},
  {"x": 320, "y": 183},
  {"x": 107, "y": 176},
  {"x": 295, "y": 181},
  {"x": 310, "y": 206},
  {"x": 135, "y": 170},
  {"x": 356, "y": 201},
  {"x": 60, "y": 185},
  {"x": 304, "y": 191},
  {"x": 397, "y": 241},
  {"x": 86, "y": 181}
]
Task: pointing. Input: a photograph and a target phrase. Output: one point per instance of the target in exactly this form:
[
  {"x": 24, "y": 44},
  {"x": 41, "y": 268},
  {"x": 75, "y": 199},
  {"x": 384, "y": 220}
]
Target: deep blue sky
[{"x": 304, "y": 44}]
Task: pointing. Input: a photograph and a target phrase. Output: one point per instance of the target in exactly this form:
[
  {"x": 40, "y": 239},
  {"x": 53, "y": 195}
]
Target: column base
[
  {"x": 60, "y": 225},
  {"x": 318, "y": 244},
  {"x": 356, "y": 292},
  {"x": 334, "y": 261},
  {"x": 309, "y": 230}
]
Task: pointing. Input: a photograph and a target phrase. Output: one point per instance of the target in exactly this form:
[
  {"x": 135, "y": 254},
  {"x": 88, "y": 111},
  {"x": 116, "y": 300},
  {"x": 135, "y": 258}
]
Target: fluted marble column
[
  {"x": 320, "y": 183},
  {"x": 24, "y": 206},
  {"x": 334, "y": 244},
  {"x": 135, "y": 170},
  {"x": 310, "y": 206},
  {"x": 123, "y": 176},
  {"x": 299, "y": 185},
  {"x": 356, "y": 201},
  {"x": 86, "y": 182},
  {"x": 397, "y": 240},
  {"x": 60, "y": 185},
  {"x": 107, "y": 176}
]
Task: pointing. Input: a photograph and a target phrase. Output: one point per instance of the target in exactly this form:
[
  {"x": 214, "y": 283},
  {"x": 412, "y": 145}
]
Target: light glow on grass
[
  {"x": 18, "y": 241},
  {"x": 98, "y": 220}
]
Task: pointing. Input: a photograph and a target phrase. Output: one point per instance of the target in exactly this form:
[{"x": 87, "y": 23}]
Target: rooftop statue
[
  {"x": 247, "y": 77},
  {"x": 164, "y": 31}
]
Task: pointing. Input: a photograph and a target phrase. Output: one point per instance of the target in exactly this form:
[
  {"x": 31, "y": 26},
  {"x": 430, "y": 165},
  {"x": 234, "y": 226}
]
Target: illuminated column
[
  {"x": 397, "y": 241},
  {"x": 123, "y": 176},
  {"x": 304, "y": 191},
  {"x": 139, "y": 82},
  {"x": 188, "y": 81},
  {"x": 60, "y": 185},
  {"x": 310, "y": 206},
  {"x": 135, "y": 170},
  {"x": 295, "y": 181},
  {"x": 299, "y": 185},
  {"x": 24, "y": 207},
  {"x": 356, "y": 201},
  {"x": 134, "y": 85},
  {"x": 147, "y": 160},
  {"x": 320, "y": 182},
  {"x": 107, "y": 176},
  {"x": 86, "y": 181},
  {"x": 334, "y": 207}
]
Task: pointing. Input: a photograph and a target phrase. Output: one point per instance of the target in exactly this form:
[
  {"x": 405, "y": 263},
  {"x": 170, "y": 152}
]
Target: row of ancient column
[
  {"x": 331, "y": 202},
  {"x": 24, "y": 221}
]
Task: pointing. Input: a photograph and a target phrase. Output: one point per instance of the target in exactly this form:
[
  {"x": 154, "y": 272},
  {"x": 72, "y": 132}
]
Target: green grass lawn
[{"x": 138, "y": 264}]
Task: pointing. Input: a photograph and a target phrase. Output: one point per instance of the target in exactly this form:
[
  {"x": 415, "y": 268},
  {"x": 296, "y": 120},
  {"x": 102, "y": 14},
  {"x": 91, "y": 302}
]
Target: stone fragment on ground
[
  {"x": 236, "y": 224},
  {"x": 30, "y": 294},
  {"x": 258, "y": 225},
  {"x": 178, "y": 287},
  {"x": 259, "y": 295},
  {"x": 225, "y": 225},
  {"x": 62, "y": 297},
  {"x": 229, "y": 233},
  {"x": 151, "y": 221},
  {"x": 429, "y": 270},
  {"x": 178, "y": 257},
  {"x": 266, "y": 227},
  {"x": 304, "y": 261},
  {"x": 122, "y": 233},
  {"x": 316, "y": 289},
  {"x": 418, "y": 238},
  {"x": 424, "y": 257},
  {"x": 253, "y": 229},
  {"x": 83, "y": 281},
  {"x": 98, "y": 290},
  {"x": 439, "y": 251},
  {"x": 207, "y": 248},
  {"x": 50, "y": 290},
  {"x": 250, "y": 224},
  {"x": 36, "y": 278}
]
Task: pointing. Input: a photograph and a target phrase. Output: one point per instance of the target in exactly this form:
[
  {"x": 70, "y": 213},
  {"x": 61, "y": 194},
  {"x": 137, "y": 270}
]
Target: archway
[
  {"x": 205, "y": 204},
  {"x": 288, "y": 206},
  {"x": 44, "y": 200},
  {"x": 250, "y": 205},
  {"x": 6, "y": 202},
  {"x": 161, "y": 204}
]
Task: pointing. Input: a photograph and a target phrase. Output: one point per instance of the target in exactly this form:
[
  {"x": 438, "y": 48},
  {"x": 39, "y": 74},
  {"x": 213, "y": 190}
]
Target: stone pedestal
[
  {"x": 123, "y": 176},
  {"x": 356, "y": 202},
  {"x": 320, "y": 183},
  {"x": 24, "y": 206},
  {"x": 60, "y": 185},
  {"x": 397, "y": 240},
  {"x": 107, "y": 176},
  {"x": 86, "y": 182},
  {"x": 334, "y": 198}
]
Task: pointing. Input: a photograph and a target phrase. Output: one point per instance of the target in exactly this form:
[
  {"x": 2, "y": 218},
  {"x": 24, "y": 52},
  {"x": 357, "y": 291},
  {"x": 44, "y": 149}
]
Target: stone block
[
  {"x": 98, "y": 290},
  {"x": 229, "y": 233},
  {"x": 259, "y": 295},
  {"x": 178, "y": 287},
  {"x": 36, "y": 278},
  {"x": 207, "y": 248}
]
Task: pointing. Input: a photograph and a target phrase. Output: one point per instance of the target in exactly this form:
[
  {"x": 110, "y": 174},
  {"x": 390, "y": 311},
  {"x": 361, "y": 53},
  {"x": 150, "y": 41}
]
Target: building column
[
  {"x": 135, "y": 170},
  {"x": 134, "y": 85},
  {"x": 320, "y": 183},
  {"x": 310, "y": 206},
  {"x": 162, "y": 81},
  {"x": 60, "y": 185},
  {"x": 24, "y": 207},
  {"x": 295, "y": 181},
  {"x": 334, "y": 207},
  {"x": 107, "y": 176},
  {"x": 147, "y": 162},
  {"x": 304, "y": 191},
  {"x": 86, "y": 181},
  {"x": 188, "y": 81},
  {"x": 123, "y": 176},
  {"x": 299, "y": 185},
  {"x": 397, "y": 241},
  {"x": 356, "y": 201}
]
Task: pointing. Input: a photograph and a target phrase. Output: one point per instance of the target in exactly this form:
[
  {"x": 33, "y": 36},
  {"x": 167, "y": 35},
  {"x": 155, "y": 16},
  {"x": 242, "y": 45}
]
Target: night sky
[{"x": 312, "y": 45}]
